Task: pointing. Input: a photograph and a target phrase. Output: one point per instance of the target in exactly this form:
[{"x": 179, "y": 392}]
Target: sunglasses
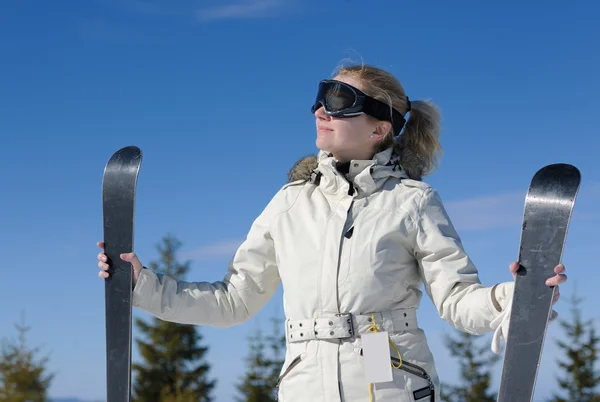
[{"x": 339, "y": 99}]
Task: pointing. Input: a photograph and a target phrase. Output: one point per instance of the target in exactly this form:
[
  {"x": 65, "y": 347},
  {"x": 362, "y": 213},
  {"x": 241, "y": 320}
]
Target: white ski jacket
[{"x": 344, "y": 253}]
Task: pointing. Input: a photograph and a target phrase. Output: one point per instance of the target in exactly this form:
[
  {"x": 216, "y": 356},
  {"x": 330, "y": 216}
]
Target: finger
[
  {"x": 556, "y": 296},
  {"x": 103, "y": 274},
  {"x": 101, "y": 244},
  {"x": 103, "y": 266},
  {"x": 129, "y": 257},
  {"x": 556, "y": 280},
  {"x": 102, "y": 257},
  {"x": 514, "y": 267},
  {"x": 562, "y": 278},
  {"x": 133, "y": 259},
  {"x": 559, "y": 269}
]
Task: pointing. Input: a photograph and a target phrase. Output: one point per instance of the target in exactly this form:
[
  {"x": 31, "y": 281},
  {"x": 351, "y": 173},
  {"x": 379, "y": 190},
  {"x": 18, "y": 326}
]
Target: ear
[{"x": 382, "y": 128}]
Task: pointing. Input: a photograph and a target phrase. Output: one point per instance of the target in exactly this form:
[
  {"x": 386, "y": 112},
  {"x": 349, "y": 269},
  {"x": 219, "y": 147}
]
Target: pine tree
[
  {"x": 173, "y": 368},
  {"x": 475, "y": 364},
  {"x": 263, "y": 366},
  {"x": 580, "y": 378},
  {"x": 23, "y": 378},
  {"x": 255, "y": 386}
]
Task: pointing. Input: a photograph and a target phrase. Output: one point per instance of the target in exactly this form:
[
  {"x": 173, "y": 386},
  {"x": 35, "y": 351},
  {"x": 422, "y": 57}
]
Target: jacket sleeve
[
  {"x": 250, "y": 282},
  {"x": 450, "y": 277}
]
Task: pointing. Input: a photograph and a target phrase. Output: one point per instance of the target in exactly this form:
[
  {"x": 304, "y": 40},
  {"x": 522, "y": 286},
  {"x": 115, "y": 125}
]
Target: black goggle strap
[{"x": 381, "y": 111}]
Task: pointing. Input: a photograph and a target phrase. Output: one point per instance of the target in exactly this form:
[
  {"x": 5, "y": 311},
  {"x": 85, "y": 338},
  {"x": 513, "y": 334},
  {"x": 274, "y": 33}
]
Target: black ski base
[
  {"x": 548, "y": 207},
  {"x": 118, "y": 207}
]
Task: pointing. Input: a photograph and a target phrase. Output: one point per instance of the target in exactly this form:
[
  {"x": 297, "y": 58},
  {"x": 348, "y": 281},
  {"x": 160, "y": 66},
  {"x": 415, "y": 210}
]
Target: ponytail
[{"x": 419, "y": 145}]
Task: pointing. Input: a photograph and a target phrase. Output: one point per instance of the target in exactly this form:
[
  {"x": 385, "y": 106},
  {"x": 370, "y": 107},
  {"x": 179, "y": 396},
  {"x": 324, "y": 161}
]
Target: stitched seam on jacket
[
  {"x": 302, "y": 188},
  {"x": 415, "y": 216},
  {"x": 279, "y": 194}
]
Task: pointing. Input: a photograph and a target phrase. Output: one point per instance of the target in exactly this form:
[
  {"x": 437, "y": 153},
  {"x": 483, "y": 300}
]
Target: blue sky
[{"x": 217, "y": 95}]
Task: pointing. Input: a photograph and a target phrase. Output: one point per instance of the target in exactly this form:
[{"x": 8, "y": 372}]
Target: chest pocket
[{"x": 377, "y": 242}]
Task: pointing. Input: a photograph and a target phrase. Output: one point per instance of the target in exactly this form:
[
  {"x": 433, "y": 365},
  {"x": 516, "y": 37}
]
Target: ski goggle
[{"x": 339, "y": 99}]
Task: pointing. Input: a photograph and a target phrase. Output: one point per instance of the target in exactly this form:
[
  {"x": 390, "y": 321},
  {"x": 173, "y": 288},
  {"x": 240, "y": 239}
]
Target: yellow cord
[{"x": 375, "y": 328}]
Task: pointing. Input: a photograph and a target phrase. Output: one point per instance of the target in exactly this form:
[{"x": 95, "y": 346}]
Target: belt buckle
[{"x": 348, "y": 317}]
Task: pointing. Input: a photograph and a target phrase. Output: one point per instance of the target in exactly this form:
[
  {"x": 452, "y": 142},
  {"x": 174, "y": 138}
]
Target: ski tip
[
  {"x": 559, "y": 167},
  {"x": 130, "y": 152},
  {"x": 131, "y": 148},
  {"x": 129, "y": 158},
  {"x": 565, "y": 170}
]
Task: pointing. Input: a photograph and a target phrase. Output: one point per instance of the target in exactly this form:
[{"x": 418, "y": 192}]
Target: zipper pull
[{"x": 349, "y": 232}]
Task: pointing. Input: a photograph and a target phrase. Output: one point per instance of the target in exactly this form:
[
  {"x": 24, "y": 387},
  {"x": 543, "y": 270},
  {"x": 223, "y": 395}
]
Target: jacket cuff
[
  {"x": 143, "y": 289},
  {"x": 500, "y": 295}
]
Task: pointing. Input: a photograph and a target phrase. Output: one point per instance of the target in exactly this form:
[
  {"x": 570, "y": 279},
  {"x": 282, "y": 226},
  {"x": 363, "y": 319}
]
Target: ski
[
  {"x": 118, "y": 205},
  {"x": 548, "y": 208}
]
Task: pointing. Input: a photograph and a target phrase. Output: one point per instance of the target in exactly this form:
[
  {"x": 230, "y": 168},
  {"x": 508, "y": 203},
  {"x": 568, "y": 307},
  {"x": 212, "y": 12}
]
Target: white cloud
[
  {"x": 240, "y": 10},
  {"x": 487, "y": 212},
  {"x": 506, "y": 209},
  {"x": 224, "y": 248}
]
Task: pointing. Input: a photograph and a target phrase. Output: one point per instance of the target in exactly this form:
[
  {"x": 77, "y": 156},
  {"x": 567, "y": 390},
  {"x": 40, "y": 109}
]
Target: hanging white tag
[{"x": 376, "y": 357}]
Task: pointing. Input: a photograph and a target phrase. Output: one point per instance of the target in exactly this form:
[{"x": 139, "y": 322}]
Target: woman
[{"x": 351, "y": 237}]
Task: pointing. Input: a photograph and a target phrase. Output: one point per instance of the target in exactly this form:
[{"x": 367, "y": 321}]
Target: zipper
[
  {"x": 293, "y": 364},
  {"x": 419, "y": 372},
  {"x": 343, "y": 243}
]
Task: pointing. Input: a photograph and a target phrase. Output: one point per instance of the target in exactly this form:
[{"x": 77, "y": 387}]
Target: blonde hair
[{"x": 420, "y": 138}]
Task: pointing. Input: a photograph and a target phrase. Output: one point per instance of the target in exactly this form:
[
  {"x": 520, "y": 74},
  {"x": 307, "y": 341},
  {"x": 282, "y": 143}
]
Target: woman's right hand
[{"x": 136, "y": 265}]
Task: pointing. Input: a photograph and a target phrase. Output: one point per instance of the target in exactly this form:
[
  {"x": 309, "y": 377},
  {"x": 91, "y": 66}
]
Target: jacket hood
[{"x": 407, "y": 160}]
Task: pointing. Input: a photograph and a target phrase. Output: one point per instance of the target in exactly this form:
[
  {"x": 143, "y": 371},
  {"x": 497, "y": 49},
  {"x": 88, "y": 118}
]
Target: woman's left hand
[{"x": 557, "y": 279}]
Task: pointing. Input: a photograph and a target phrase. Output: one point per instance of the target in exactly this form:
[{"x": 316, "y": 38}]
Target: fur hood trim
[
  {"x": 303, "y": 168},
  {"x": 408, "y": 161}
]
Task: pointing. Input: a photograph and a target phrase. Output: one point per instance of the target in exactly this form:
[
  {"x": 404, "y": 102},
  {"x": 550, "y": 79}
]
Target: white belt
[{"x": 348, "y": 325}]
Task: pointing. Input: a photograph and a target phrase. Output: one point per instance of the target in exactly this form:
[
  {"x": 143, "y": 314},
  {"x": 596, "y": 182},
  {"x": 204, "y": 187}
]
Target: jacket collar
[{"x": 367, "y": 176}]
